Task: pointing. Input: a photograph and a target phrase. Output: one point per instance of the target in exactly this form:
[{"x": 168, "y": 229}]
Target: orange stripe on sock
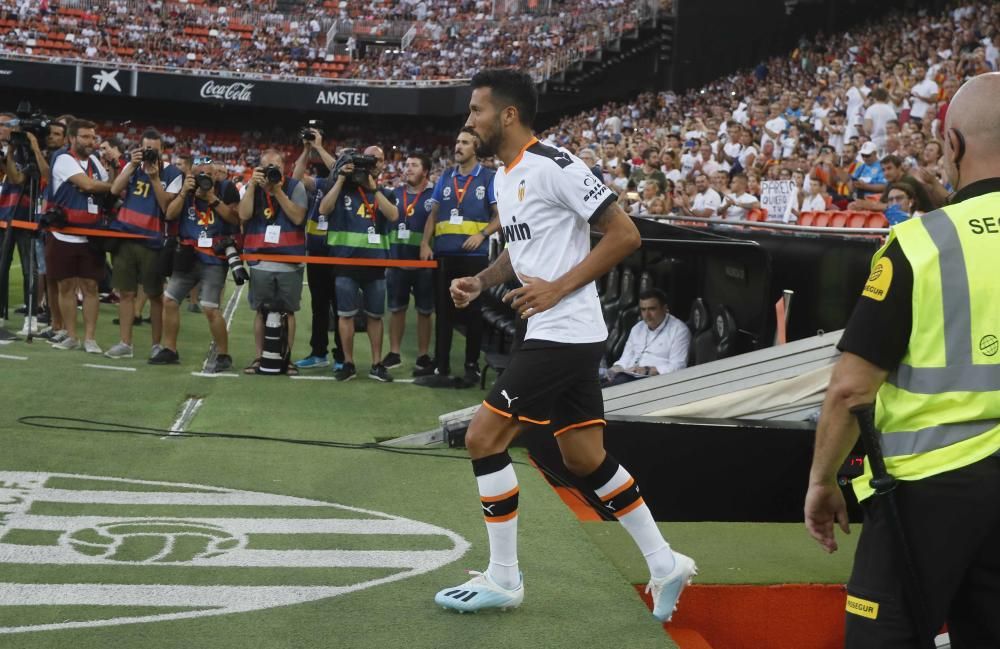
[
  {"x": 496, "y": 499},
  {"x": 631, "y": 481},
  {"x": 500, "y": 519},
  {"x": 582, "y": 424},
  {"x": 630, "y": 508}
]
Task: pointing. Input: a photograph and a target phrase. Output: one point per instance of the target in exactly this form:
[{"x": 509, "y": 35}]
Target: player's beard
[{"x": 487, "y": 146}]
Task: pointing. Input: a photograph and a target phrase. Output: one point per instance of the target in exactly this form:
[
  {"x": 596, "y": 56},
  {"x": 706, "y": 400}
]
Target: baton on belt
[{"x": 884, "y": 485}]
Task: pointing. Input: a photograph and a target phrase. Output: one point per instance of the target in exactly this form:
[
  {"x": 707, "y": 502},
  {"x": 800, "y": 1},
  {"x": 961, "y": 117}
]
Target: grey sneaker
[
  {"x": 155, "y": 349},
  {"x": 91, "y": 347},
  {"x": 119, "y": 350},
  {"x": 58, "y": 336},
  {"x": 379, "y": 373},
  {"x": 67, "y": 344}
]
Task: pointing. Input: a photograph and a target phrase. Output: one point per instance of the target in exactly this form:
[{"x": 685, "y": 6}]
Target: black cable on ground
[{"x": 39, "y": 421}]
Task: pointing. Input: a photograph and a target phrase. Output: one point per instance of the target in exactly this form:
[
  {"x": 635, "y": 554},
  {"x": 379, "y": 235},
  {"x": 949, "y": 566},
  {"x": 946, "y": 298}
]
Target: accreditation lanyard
[
  {"x": 413, "y": 205},
  {"x": 460, "y": 193},
  {"x": 87, "y": 169},
  {"x": 649, "y": 341},
  {"x": 368, "y": 204},
  {"x": 270, "y": 207}
]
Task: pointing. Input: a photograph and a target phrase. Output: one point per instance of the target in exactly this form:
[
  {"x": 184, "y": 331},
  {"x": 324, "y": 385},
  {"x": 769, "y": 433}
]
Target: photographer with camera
[
  {"x": 77, "y": 183},
  {"x": 463, "y": 216},
  {"x": 413, "y": 200},
  {"x": 321, "y": 277},
  {"x": 358, "y": 214},
  {"x": 273, "y": 212},
  {"x": 149, "y": 188},
  {"x": 205, "y": 221},
  {"x": 22, "y": 154}
]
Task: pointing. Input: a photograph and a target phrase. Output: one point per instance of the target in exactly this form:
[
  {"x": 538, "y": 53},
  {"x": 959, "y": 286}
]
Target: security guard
[{"x": 923, "y": 339}]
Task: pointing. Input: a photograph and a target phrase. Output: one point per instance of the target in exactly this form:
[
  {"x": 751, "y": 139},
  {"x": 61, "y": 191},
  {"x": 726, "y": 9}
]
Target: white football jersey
[{"x": 546, "y": 199}]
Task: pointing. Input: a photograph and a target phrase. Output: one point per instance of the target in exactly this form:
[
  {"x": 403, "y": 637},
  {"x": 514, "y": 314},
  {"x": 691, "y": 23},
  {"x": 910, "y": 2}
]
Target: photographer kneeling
[
  {"x": 273, "y": 211},
  {"x": 205, "y": 222},
  {"x": 358, "y": 214}
]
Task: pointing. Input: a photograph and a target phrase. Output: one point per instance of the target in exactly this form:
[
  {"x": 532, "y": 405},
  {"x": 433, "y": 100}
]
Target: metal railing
[{"x": 201, "y": 72}]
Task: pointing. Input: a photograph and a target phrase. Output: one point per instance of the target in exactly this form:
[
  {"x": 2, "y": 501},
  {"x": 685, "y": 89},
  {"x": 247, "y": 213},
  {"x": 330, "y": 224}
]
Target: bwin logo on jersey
[
  {"x": 222, "y": 547},
  {"x": 516, "y": 231}
]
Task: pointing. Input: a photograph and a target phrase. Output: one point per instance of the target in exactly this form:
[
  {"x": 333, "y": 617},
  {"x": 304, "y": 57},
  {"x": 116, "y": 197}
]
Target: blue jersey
[
  {"x": 140, "y": 212},
  {"x": 464, "y": 209},
  {"x": 357, "y": 228}
]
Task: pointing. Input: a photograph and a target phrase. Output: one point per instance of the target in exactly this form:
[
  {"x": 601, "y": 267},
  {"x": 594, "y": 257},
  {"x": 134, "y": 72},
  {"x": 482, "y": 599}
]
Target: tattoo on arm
[{"x": 498, "y": 272}]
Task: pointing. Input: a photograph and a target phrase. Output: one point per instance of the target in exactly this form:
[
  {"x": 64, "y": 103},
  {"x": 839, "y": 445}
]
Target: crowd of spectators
[
  {"x": 860, "y": 113},
  {"x": 450, "y": 39}
]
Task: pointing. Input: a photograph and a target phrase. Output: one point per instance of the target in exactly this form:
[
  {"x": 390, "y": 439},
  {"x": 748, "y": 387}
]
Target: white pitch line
[
  {"x": 212, "y": 375},
  {"x": 110, "y": 367},
  {"x": 13, "y": 358},
  {"x": 403, "y": 380},
  {"x": 284, "y": 526},
  {"x": 313, "y": 378},
  {"x": 187, "y": 413}
]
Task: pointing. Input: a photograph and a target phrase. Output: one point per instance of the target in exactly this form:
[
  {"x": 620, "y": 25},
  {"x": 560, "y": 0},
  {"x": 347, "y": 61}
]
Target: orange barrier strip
[
  {"x": 288, "y": 259},
  {"x": 114, "y": 234},
  {"x": 763, "y": 617}
]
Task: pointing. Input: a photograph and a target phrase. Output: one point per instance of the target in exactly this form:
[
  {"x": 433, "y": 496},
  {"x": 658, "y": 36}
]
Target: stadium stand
[{"x": 301, "y": 39}]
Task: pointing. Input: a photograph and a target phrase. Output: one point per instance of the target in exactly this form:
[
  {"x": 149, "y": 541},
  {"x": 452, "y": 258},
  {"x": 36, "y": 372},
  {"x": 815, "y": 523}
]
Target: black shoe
[
  {"x": 425, "y": 366},
  {"x": 223, "y": 362},
  {"x": 45, "y": 317},
  {"x": 472, "y": 376},
  {"x": 392, "y": 361},
  {"x": 436, "y": 381},
  {"x": 380, "y": 373},
  {"x": 22, "y": 310},
  {"x": 165, "y": 357},
  {"x": 345, "y": 373}
]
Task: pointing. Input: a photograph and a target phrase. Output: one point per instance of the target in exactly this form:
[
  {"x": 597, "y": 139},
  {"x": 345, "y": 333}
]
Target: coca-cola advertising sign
[{"x": 236, "y": 91}]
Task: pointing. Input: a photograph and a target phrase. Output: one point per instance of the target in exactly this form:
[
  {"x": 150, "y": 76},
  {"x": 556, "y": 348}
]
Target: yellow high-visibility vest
[{"x": 940, "y": 409}]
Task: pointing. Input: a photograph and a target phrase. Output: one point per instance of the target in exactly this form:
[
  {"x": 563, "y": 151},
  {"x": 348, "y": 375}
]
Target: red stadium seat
[
  {"x": 823, "y": 219},
  {"x": 839, "y": 219},
  {"x": 807, "y": 218},
  {"x": 877, "y": 220},
  {"x": 857, "y": 220},
  {"x": 755, "y": 215}
]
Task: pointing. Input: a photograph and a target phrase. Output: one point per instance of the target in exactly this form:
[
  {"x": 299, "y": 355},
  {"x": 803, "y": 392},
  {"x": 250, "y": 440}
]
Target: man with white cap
[{"x": 868, "y": 176}]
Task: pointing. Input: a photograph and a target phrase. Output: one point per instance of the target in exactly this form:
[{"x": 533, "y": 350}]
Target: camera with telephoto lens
[
  {"x": 53, "y": 217},
  {"x": 150, "y": 156},
  {"x": 272, "y": 174},
  {"x": 204, "y": 182},
  {"x": 306, "y": 133},
  {"x": 29, "y": 121},
  {"x": 227, "y": 247}
]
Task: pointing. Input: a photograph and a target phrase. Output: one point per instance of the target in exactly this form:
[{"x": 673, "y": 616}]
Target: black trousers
[
  {"x": 952, "y": 522},
  {"x": 321, "y": 278},
  {"x": 447, "y": 316},
  {"x": 22, "y": 241}
]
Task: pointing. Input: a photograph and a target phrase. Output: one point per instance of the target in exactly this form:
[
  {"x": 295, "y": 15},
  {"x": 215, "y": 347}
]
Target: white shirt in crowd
[
  {"x": 880, "y": 114},
  {"x": 665, "y": 348},
  {"x": 708, "y": 199},
  {"x": 546, "y": 201},
  {"x": 66, "y": 166},
  {"x": 919, "y": 107},
  {"x": 739, "y": 210},
  {"x": 778, "y": 125},
  {"x": 855, "y": 109},
  {"x": 815, "y": 203}
]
